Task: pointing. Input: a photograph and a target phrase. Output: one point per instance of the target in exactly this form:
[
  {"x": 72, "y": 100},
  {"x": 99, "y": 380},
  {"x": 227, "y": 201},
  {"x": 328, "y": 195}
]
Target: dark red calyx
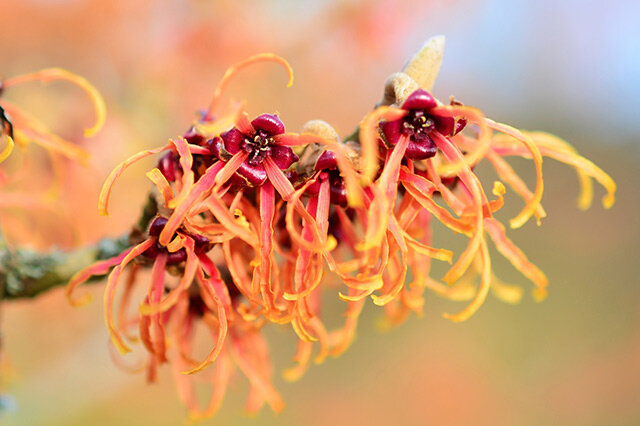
[
  {"x": 193, "y": 137},
  {"x": 337, "y": 189},
  {"x": 269, "y": 124},
  {"x": 172, "y": 258},
  {"x": 177, "y": 257},
  {"x": 201, "y": 243},
  {"x": 167, "y": 165},
  {"x": 216, "y": 148},
  {"x": 327, "y": 160},
  {"x": 260, "y": 144},
  {"x": 328, "y": 164},
  {"x": 420, "y": 99},
  {"x": 418, "y": 124},
  {"x": 157, "y": 225}
]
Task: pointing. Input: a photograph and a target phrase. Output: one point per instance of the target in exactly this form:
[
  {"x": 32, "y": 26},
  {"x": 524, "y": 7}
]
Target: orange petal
[
  {"x": 302, "y": 359},
  {"x": 98, "y": 268},
  {"x": 483, "y": 290},
  {"x": 369, "y": 134},
  {"x": 109, "y": 293},
  {"x": 255, "y": 375},
  {"x": 27, "y": 126},
  {"x": 532, "y": 205},
  {"x": 214, "y": 289},
  {"x": 200, "y": 189},
  {"x": 243, "y": 123},
  {"x": 546, "y": 140},
  {"x": 231, "y": 71},
  {"x": 482, "y": 145},
  {"x": 509, "y": 176},
  {"x": 162, "y": 184},
  {"x": 228, "y": 220},
  {"x": 470, "y": 180},
  {"x": 50, "y": 74},
  {"x": 385, "y": 194},
  {"x": 510, "y": 251},
  {"x": 105, "y": 193},
  {"x": 8, "y": 149},
  {"x": 230, "y": 168}
]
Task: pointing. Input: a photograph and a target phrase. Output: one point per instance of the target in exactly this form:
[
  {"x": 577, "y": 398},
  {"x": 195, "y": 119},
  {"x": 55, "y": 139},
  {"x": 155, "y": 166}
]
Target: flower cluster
[{"x": 251, "y": 224}]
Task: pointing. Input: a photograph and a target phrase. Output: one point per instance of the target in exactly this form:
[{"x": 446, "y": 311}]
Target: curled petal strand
[
  {"x": 50, "y": 74},
  {"x": 110, "y": 290},
  {"x": 369, "y": 139},
  {"x": 483, "y": 290},
  {"x": 231, "y": 71},
  {"x": 105, "y": 193}
]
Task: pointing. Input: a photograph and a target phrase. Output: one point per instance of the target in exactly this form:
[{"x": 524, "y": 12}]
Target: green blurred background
[{"x": 571, "y": 68}]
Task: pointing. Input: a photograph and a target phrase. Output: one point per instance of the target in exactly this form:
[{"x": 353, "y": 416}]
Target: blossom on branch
[{"x": 252, "y": 225}]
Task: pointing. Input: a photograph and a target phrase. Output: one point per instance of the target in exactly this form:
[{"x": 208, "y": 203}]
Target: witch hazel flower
[
  {"x": 245, "y": 349},
  {"x": 185, "y": 195},
  {"x": 258, "y": 140},
  {"x": 420, "y": 121},
  {"x": 410, "y": 117},
  {"x": 185, "y": 248},
  {"x": 20, "y": 127},
  {"x": 250, "y": 223}
]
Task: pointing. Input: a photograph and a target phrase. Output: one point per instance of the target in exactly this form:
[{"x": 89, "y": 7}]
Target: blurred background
[{"x": 570, "y": 67}]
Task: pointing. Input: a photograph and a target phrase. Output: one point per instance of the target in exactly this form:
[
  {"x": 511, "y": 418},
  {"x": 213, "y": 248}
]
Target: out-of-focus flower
[
  {"x": 22, "y": 128},
  {"x": 19, "y": 127},
  {"x": 251, "y": 220},
  {"x": 245, "y": 349}
]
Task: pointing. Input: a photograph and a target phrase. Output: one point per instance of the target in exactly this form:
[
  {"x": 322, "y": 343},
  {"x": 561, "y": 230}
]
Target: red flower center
[
  {"x": 258, "y": 147},
  {"x": 417, "y": 124}
]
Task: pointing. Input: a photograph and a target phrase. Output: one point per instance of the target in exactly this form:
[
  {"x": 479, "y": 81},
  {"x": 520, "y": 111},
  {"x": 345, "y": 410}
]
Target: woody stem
[{"x": 27, "y": 273}]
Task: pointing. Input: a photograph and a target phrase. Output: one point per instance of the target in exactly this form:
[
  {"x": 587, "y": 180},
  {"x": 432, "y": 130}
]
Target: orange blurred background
[{"x": 573, "y": 69}]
